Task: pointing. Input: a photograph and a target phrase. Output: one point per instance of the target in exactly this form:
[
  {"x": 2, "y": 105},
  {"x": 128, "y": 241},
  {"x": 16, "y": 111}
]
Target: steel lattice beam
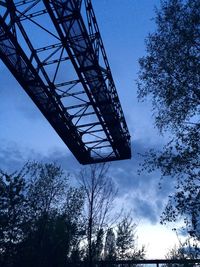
[{"x": 85, "y": 110}]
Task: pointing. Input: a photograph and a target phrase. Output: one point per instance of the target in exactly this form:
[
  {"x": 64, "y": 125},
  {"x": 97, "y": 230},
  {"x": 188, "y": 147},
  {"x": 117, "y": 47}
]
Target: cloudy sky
[{"x": 26, "y": 135}]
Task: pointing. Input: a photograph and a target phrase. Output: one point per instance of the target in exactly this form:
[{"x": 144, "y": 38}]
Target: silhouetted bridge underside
[{"x": 55, "y": 51}]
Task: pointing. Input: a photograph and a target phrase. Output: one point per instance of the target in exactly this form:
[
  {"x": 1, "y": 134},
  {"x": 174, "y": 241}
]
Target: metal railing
[{"x": 142, "y": 263}]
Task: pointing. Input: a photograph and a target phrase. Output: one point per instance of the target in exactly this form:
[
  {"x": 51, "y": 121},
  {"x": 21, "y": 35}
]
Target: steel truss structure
[{"x": 55, "y": 51}]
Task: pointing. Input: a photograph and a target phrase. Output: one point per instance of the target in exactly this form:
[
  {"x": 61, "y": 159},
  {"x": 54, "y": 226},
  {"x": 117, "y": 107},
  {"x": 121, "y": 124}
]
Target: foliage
[
  {"x": 40, "y": 217},
  {"x": 170, "y": 71},
  {"x": 97, "y": 246},
  {"x": 110, "y": 245},
  {"x": 170, "y": 75},
  {"x": 126, "y": 240},
  {"x": 43, "y": 221},
  {"x": 184, "y": 250},
  {"x": 12, "y": 216},
  {"x": 47, "y": 187}
]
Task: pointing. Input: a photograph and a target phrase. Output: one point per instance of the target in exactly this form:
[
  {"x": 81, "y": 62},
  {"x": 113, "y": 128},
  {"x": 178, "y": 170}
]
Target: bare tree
[{"x": 100, "y": 193}]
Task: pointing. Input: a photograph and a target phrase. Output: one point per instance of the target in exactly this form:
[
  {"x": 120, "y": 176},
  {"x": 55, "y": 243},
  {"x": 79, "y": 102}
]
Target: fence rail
[{"x": 142, "y": 263}]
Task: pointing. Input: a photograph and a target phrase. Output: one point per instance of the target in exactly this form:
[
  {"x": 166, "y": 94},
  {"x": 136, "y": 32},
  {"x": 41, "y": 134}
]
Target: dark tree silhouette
[
  {"x": 13, "y": 216},
  {"x": 104, "y": 243},
  {"x": 184, "y": 250},
  {"x": 100, "y": 193},
  {"x": 170, "y": 76},
  {"x": 40, "y": 217},
  {"x": 126, "y": 246},
  {"x": 110, "y": 245},
  {"x": 97, "y": 245}
]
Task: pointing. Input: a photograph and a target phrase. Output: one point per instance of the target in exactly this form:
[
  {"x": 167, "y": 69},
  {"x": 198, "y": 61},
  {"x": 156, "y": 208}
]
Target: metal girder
[
  {"x": 85, "y": 110},
  {"x": 47, "y": 102}
]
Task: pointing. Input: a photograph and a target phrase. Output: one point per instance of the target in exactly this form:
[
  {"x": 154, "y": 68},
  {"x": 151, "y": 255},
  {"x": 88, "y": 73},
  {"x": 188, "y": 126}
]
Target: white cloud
[{"x": 158, "y": 239}]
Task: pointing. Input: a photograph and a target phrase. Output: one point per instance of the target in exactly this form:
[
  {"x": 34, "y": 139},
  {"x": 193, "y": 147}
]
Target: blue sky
[{"x": 26, "y": 135}]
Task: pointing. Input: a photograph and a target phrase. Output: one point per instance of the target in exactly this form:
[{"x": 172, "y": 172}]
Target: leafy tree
[
  {"x": 97, "y": 245},
  {"x": 40, "y": 217},
  {"x": 170, "y": 71},
  {"x": 170, "y": 76},
  {"x": 12, "y": 216},
  {"x": 59, "y": 207},
  {"x": 55, "y": 245},
  {"x": 110, "y": 245},
  {"x": 126, "y": 247},
  {"x": 47, "y": 187}
]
